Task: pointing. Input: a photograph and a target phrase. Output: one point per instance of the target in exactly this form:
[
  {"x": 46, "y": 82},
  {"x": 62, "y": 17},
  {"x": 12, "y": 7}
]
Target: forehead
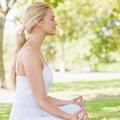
[{"x": 50, "y": 13}]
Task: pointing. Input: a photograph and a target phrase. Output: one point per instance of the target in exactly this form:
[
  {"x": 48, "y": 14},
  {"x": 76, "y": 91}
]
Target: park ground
[
  {"x": 7, "y": 96},
  {"x": 100, "y": 89}
]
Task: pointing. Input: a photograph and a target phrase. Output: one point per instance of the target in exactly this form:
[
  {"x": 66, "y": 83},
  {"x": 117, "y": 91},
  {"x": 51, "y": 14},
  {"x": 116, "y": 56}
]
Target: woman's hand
[
  {"x": 79, "y": 101},
  {"x": 75, "y": 116}
]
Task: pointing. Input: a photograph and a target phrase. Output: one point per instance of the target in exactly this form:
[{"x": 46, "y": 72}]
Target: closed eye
[{"x": 52, "y": 19}]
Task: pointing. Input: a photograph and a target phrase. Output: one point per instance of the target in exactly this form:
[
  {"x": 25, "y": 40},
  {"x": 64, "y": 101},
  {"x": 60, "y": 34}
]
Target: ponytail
[{"x": 20, "y": 41}]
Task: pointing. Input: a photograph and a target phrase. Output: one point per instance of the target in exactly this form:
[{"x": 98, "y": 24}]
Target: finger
[
  {"x": 81, "y": 97},
  {"x": 86, "y": 117},
  {"x": 79, "y": 111},
  {"x": 83, "y": 116},
  {"x": 83, "y": 102},
  {"x": 79, "y": 101},
  {"x": 78, "y": 98}
]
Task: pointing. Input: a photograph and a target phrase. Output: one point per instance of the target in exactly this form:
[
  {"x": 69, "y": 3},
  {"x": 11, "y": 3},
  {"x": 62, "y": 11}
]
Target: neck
[{"x": 35, "y": 40}]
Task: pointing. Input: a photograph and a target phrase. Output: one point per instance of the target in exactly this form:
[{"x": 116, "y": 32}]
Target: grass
[
  {"x": 106, "y": 108},
  {"x": 97, "y": 109},
  {"x": 82, "y": 85},
  {"x": 89, "y": 89},
  {"x": 5, "y": 111}
]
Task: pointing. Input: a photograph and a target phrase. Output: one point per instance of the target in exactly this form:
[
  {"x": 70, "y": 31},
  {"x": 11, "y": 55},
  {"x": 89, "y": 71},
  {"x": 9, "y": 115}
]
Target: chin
[{"x": 52, "y": 33}]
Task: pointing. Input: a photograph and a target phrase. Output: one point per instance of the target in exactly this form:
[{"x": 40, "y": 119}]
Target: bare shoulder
[
  {"x": 30, "y": 56},
  {"x": 28, "y": 52}
]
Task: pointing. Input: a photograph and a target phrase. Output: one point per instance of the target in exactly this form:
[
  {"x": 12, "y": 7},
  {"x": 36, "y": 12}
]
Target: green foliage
[
  {"x": 109, "y": 67},
  {"x": 49, "y": 49},
  {"x": 100, "y": 26},
  {"x": 94, "y": 28},
  {"x": 54, "y": 3},
  {"x": 88, "y": 31}
]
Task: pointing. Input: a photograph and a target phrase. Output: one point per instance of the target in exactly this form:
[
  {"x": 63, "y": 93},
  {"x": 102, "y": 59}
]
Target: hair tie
[{"x": 22, "y": 28}]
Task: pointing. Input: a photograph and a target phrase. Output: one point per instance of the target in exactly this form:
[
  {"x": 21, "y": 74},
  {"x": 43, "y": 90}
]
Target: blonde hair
[{"x": 34, "y": 13}]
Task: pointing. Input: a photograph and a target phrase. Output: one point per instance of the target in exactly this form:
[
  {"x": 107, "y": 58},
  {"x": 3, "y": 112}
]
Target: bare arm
[
  {"x": 59, "y": 102},
  {"x": 33, "y": 70}
]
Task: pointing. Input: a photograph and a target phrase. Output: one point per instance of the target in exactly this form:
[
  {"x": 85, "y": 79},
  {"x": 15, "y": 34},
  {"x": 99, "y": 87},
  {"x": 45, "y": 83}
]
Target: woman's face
[{"x": 49, "y": 23}]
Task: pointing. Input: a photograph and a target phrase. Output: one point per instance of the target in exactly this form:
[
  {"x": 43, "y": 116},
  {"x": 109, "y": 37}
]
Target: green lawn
[
  {"x": 101, "y": 105},
  {"x": 82, "y": 85},
  {"x": 89, "y": 89},
  {"x": 4, "y": 111},
  {"x": 105, "y": 108},
  {"x": 97, "y": 109}
]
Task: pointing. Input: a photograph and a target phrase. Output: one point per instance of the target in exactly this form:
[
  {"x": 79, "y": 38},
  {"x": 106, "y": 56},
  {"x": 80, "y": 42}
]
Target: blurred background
[{"x": 84, "y": 54}]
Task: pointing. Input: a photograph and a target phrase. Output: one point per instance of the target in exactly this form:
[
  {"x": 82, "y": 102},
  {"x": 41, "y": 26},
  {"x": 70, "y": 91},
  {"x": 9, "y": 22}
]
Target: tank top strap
[{"x": 18, "y": 58}]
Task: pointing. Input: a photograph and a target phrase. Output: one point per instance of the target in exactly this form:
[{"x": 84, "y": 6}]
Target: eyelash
[{"x": 52, "y": 19}]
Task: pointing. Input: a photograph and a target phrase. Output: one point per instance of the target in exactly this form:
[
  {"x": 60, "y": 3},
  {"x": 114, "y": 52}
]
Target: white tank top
[
  {"x": 24, "y": 103},
  {"x": 25, "y": 107}
]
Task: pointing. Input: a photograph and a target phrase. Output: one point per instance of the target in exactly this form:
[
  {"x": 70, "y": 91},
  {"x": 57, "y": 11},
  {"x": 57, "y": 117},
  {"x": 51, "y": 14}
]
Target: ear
[{"x": 39, "y": 23}]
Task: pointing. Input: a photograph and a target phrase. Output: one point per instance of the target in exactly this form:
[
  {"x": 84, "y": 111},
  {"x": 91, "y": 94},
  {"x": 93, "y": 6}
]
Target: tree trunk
[{"x": 2, "y": 72}]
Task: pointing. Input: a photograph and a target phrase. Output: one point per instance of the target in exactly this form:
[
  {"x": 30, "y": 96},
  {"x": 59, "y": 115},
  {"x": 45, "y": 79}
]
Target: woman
[{"x": 32, "y": 75}]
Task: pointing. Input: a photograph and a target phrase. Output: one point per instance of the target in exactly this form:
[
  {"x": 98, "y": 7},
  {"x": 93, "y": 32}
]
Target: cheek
[
  {"x": 48, "y": 30},
  {"x": 48, "y": 27},
  {"x": 45, "y": 27}
]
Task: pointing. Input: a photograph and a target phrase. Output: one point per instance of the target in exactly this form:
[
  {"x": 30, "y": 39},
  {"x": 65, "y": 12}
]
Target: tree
[
  {"x": 67, "y": 16},
  {"x": 94, "y": 26},
  {"x": 102, "y": 26},
  {"x": 5, "y": 6}
]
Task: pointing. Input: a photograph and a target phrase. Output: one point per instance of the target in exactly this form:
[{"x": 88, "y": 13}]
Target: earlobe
[{"x": 39, "y": 24}]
